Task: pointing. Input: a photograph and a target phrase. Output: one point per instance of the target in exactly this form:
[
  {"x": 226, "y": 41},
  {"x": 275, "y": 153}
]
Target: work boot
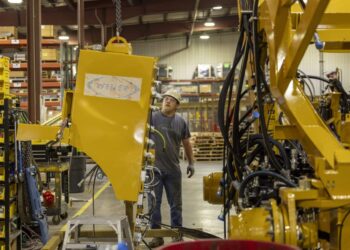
[{"x": 156, "y": 242}]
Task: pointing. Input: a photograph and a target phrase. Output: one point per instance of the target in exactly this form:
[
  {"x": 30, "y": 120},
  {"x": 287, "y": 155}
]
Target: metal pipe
[
  {"x": 321, "y": 71},
  {"x": 34, "y": 58},
  {"x": 189, "y": 39}
]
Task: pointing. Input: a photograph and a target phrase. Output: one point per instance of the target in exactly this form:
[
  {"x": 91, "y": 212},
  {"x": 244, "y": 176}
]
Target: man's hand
[{"x": 190, "y": 170}]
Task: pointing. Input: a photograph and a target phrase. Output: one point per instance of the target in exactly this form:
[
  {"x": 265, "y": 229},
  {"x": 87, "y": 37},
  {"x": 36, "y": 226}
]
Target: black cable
[
  {"x": 224, "y": 184},
  {"x": 303, "y": 5},
  {"x": 235, "y": 131},
  {"x": 308, "y": 87},
  {"x": 258, "y": 139},
  {"x": 144, "y": 242},
  {"x": 227, "y": 85},
  {"x": 93, "y": 199},
  {"x": 309, "y": 80},
  {"x": 341, "y": 228},
  {"x": 263, "y": 173},
  {"x": 314, "y": 77},
  {"x": 259, "y": 78}
]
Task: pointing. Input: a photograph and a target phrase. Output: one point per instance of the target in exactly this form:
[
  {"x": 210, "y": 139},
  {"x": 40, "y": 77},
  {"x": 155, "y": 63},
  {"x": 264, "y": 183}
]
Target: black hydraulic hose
[
  {"x": 247, "y": 90},
  {"x": 235, "y": 131},
  {"x": 308, "y": 87},
  {"x": 257, "y": 139},
  {"x": 227, "y": 85},
  {"x": 260, "y": 78},
  {"x": 224, "y": 172},
  {"x": 263, "y": 173},
  {"x": 258, "y": 150},
  {"x": 309, "y": 80},
  {"x": 246, "y": 114},
  {"x": 302, "y": 3},
  {"x": 313, "y": 77}
]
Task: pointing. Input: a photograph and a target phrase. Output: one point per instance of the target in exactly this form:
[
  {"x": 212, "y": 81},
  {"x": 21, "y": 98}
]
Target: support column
[
  {"x": 81, "y": 22},
  {"x": 34, "y": 58}
]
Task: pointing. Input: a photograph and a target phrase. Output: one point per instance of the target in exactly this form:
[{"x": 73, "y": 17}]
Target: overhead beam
[
  {"x": 139, "y": 31},
  {"x": 189, "y": 38},
  {"x": 70, "y": 4},
  {"x": 67, "y": 16}
]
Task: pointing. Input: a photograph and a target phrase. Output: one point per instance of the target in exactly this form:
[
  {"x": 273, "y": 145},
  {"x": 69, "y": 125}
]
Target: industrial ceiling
[{"x": 142, "y": 19}]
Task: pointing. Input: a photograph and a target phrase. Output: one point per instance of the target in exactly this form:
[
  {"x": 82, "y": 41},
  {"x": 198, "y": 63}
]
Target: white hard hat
[{"x": 174, "y": 93}]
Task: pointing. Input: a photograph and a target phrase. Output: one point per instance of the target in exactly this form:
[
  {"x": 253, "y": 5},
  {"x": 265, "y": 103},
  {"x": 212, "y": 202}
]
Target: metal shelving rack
[{"x": 10, "y": 224}]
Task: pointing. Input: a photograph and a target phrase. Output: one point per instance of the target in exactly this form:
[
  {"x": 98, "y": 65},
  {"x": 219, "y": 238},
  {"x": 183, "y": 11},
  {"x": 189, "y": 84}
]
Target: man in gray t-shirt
[{"x": 174, "y": 131}]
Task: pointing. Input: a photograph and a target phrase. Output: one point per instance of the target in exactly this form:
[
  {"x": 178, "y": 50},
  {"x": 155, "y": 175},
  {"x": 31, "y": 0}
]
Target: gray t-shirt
[{"x": 174, "y": 129}]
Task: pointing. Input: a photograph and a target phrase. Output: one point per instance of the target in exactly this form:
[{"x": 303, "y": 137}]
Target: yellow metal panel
[
  {"x": 27, "y": 132},
  {"x": 109, "y": 121},
  {"x": 252, "y": 224},
  {"x": 286, "y": 132},
  {"x": 299, "y": 194}
]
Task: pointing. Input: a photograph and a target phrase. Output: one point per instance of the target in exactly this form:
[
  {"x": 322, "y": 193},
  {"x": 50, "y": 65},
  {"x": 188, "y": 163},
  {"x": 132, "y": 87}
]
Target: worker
[{"x": 174, "y": 131}]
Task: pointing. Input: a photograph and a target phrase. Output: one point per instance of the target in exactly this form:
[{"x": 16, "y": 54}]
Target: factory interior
[{"x": 174, "y": 125}]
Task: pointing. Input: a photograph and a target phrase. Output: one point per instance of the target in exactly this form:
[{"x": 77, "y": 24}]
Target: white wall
[{"x": 220, "y": 48}]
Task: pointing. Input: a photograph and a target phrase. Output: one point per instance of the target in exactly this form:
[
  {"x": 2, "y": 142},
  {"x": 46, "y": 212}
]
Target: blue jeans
[{"x": 172, "y": 185}]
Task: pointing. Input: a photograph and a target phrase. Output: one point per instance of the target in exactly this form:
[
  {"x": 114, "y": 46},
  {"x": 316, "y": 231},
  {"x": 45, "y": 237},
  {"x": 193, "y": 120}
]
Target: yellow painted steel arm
[
  {"x": 286, "y": 49},
  {"x": 27, "y": 132}
]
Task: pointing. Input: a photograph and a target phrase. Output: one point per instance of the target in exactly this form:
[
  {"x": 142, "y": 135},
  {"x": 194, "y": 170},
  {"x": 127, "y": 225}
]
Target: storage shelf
[
  {"x": 44, "y": 84},
  {"x": 205, "y": 80},
  {"x": 47, "y": 104},
  {"x": 45, "y": 66},
  {"x": 199, "y": 95},
  {"x": 23, "y": 43},
  {"x": 26, "y": 94}
]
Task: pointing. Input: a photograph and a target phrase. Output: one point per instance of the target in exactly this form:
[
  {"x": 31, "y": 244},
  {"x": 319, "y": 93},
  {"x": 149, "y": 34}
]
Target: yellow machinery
[
  {"x": 106, "y": 116},
  {"x": 287, "y": 181}
]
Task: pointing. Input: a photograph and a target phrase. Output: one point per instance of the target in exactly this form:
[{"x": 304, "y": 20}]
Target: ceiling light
[
  {"x": 219, "y": 7},
  {"x": 63, "y": 36},
  {"x": 15, "y": 1},
  {"x": 204, "y": 36},
  {"x": 209, "y": 23}
]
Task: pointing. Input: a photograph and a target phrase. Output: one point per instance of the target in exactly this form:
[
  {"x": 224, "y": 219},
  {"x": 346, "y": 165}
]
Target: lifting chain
[{"x": 118, "y": 17}]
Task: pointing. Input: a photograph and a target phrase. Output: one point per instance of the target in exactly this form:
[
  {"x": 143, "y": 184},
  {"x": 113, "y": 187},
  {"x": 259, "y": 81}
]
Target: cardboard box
[
  {"x": 19, "y": 57},
  {"x": 8, "y": 31},
  {"x": 189, "y": 89},
  {"x": 205, "y": 88},
  {"x": 49, "y": 55},
  {"x": 47, "y": 31},
  {"x": 17, "y": 74}
]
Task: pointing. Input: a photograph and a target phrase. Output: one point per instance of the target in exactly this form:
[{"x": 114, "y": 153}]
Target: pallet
[{"x": 207, "y": 146}]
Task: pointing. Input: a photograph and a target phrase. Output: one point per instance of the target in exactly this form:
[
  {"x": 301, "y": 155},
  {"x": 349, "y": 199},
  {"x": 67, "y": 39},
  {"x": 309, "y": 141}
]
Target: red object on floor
[
  {"x": 49, "y": 198},
  {"x": 226, "y": 245}
]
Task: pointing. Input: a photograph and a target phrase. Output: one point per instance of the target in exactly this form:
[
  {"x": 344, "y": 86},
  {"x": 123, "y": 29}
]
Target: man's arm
[{"x": 189, "y": 154}]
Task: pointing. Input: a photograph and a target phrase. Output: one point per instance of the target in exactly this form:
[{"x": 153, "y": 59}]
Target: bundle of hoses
[{"x": 235, "y": 175}]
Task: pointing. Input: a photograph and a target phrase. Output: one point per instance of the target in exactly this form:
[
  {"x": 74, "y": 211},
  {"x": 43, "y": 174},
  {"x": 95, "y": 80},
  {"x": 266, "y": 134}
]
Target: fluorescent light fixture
[
  {"x": 63, "y": 36},
  {"x": 218, "y": 7},
  {"x": 15, "y": 1},
  {"x": 204, "y": 36},
  {"x": 209, "y": 23}
]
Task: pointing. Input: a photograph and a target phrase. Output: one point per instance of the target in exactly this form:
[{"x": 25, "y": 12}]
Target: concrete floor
[{"x": 196, "y": 212}]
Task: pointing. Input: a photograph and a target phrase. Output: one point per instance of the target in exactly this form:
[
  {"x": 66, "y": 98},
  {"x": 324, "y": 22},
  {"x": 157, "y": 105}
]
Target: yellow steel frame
[{"x": 288, "y": 32}]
